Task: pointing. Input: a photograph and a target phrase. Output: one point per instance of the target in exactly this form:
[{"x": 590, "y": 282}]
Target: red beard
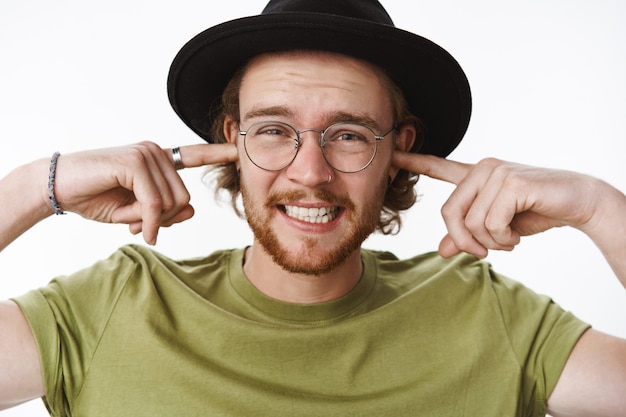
[{"x": 314, "y": 259}]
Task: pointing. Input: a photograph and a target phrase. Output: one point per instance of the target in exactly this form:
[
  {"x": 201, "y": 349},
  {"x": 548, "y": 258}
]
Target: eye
[
  {"x": 271, "y": 130},
  {"x": 347, "y": 136}
]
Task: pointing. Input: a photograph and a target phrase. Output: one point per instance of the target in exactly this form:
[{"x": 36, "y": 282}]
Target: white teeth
[{"x": 312, "y": 215}]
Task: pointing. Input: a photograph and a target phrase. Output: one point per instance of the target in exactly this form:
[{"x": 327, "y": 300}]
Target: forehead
[{"x": 311, "y": 84}]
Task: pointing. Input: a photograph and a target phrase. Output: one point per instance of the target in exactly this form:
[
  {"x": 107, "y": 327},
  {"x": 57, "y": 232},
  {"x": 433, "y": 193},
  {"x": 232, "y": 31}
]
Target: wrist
[
  {"x": 24, "y": 199},
  {"x": 609, "y": 213},
  {"x": 607, "y": 228},
  {"x": 51, "y": 184}
]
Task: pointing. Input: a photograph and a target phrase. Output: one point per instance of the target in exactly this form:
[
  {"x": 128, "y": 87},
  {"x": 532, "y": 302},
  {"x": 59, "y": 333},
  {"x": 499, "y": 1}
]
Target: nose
[{"x": 309, "y": 168}]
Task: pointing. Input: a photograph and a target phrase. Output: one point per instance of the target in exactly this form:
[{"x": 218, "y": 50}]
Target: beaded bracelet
[{"x": 51, "y": 181}]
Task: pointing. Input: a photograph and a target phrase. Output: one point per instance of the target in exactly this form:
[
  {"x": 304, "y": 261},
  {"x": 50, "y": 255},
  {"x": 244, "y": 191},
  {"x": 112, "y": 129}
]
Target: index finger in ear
[
  {"x": 207, "y": 154},
  {"x": 432, "y": 166}
]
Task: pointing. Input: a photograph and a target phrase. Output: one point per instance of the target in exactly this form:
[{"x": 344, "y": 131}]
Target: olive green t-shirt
[{"x": 139, "y": 334}]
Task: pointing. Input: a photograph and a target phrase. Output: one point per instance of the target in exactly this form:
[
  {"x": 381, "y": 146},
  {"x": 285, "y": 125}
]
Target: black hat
[{"x": 434, "y": 84}]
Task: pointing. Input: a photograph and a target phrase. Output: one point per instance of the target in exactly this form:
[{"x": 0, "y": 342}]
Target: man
[{"x": 303, "y": 321}]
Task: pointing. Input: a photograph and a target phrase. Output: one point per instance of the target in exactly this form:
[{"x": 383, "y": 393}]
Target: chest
[{"x": 378, "y": 367}]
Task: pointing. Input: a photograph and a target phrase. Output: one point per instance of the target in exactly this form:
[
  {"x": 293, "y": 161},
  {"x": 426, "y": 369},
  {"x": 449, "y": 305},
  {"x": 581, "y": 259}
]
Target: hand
[
  {"x": 135, "y": 185},
  {"x": 496, "y": 202}
]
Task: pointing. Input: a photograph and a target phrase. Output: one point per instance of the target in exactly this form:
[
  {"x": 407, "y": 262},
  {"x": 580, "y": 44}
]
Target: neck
[{"x": 275, "y": 282}]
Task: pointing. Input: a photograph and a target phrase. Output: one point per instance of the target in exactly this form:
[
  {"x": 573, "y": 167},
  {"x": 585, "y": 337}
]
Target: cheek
[
  {"x": 257, "y": 180},
  {"x": 386, "y": 149},
  {"x": 382, "y": 161},
  {"x": 364, "y": 189}
]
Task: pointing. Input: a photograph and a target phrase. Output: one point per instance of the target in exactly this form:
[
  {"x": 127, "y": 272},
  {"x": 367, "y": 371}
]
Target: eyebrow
[
  {"x": 256, "y": 113},
  {"x": 330, "y": 117},
  {"x": 359, "y": 118}
]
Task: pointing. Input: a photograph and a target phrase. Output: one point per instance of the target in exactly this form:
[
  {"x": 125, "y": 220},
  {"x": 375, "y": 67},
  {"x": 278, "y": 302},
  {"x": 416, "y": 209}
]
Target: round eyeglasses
[{"x": 347, "y": 147}]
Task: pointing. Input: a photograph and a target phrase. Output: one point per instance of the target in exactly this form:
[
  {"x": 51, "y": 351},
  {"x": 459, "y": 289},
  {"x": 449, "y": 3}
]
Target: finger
[
  {"x": 529, "y": 223},
  {"x": 181, "y": 216},
  {"x": 490, "y": 213},
  {"x": 500, "y": 218},
  {"x": 146, "y": 209},
  {"x": 165, "y": 179},
  {"x": 448, "y": 248},
  {"x": 432, "y": 166},
  {"x": 184, "y": 214},
  {"x": 135, "y": 228},
  {"x": 455, "y": 211},
  {"x": 206, "y": 154},
  {"x": 151, "y": 186},
  {"x": 171, "y": 199},
  {"x": 459, "y": 238},
  {"x": 175, "y": 194}
]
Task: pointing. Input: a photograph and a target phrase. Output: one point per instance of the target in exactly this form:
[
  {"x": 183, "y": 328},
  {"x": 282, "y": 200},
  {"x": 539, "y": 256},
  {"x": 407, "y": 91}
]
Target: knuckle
[
  {"x": 465, "y": 243},
  {"x": 494, "y": 226},
  {"x": 186, "y": 200},
  {"x": 141, "y": 150},
  {"x": 146, "y": 144},
  {"x": 474, "y": 224},
  {"x": 135, "y": 156},
  {"x": 489, "y": 162},
  {"x": 154, "y": 202},
  {"x": 448, "y": 211},
  {"x": 177, "y": 204},
  {"x": 168, "y": 206},
  {"x": 512, "y": 180}
]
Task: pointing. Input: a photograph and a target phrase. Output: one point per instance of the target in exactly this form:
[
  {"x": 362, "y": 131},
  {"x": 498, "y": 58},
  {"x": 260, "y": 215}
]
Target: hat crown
[
  {"x": 370, "y": 10},
  {"x": 435, "y": 87}
]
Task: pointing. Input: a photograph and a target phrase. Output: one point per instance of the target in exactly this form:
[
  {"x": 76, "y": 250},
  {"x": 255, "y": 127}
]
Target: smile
[{"x": 313, "y": 214}]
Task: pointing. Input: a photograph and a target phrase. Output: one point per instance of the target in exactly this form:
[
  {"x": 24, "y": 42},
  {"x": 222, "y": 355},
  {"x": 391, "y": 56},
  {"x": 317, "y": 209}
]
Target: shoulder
[
  {"x": 139, "y": 256},
  {"x": 134, "y": 265},
  {"x": 456, "y": 282},
  {"x": 429, "y": 267}
]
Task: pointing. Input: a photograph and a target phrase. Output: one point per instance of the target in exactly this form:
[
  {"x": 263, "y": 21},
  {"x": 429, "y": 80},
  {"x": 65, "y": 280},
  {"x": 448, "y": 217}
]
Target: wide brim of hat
[{"x": 434, "y": 84}]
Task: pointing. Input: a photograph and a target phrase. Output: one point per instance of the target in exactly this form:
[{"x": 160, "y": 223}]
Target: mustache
[{"x": 280, "y": 197}]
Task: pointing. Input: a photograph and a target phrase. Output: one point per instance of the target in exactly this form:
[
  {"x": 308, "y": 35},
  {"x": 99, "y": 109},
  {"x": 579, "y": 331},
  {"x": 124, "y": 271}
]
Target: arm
[
  {"x": 593, "y": 381},
  {"x": 136, "y": 185},
  {"x": 20, "y": 377},
  {"x": 120, "y": 185},
  {"x": 20, "y": 214},
  {"x": 494, "y": 205}
]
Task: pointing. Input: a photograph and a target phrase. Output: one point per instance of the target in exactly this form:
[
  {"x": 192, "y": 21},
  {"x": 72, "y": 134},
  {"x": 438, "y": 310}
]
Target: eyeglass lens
[{"x": 347, "y": 147}]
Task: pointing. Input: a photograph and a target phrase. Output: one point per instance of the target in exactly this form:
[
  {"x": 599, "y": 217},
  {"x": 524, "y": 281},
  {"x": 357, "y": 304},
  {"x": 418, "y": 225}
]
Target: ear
[
  {"x": 404, "y": 142},
  {"x": 231, "y": 131}
]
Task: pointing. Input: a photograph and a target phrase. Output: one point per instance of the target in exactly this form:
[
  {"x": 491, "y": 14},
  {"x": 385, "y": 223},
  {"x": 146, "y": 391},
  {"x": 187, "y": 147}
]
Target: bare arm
[
  {"x": 494, "y": 205},
  {"x": 21, "y": 378},
  {"x": 21, "y": 210},
  {"x": 593, "y": 382},
  {"x": 136, "y": 185}
]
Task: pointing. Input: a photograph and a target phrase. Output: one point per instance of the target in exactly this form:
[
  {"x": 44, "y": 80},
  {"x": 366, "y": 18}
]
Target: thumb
[{"x": 447, "y": 248}]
